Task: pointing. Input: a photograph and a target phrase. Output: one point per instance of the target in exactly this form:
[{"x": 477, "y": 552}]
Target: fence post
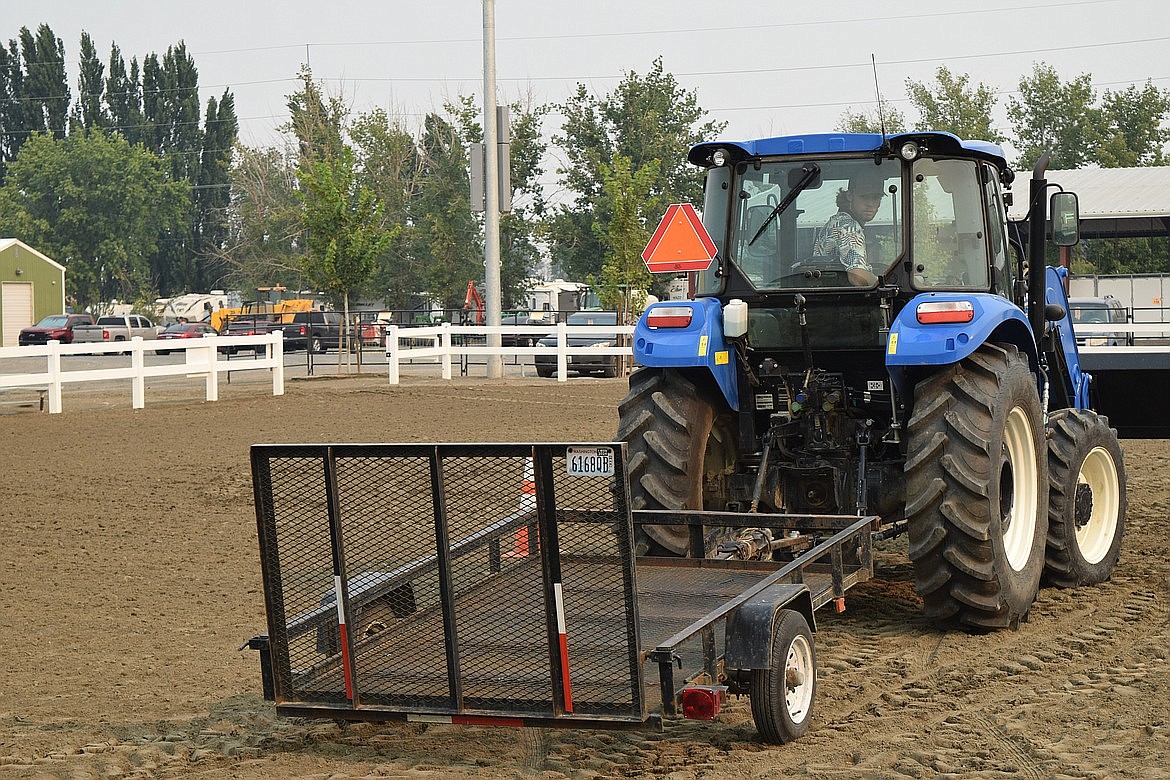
[
  {"x": 562, "y": 358},
  {"x": 392, "y": 352},
  {"x": 446, "y": 350},
  {"x": 138, "y": 383},
  {"x": 54, "y": 377},
  {"x": 212, "y": 380},
  {"x": 278, "y": 367}
]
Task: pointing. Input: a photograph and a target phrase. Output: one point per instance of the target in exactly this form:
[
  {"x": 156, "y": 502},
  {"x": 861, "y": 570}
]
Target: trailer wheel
[
  {"x": 1086, "y": 511},
  {"x": 782, "y": 696},
  {"x": 681, "y": 450},
  {"x": 977, "y": 490}
]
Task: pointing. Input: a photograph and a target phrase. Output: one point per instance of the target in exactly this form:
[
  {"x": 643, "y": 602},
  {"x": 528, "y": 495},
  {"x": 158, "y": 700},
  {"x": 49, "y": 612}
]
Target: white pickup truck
[{"x": 113, "y": 328}]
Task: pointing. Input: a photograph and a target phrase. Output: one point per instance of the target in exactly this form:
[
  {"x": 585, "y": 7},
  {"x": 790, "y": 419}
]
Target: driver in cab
[{"x": 842, "y": 238}]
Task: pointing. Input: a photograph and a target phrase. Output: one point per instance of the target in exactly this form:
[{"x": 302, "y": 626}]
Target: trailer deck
[{"x": 492, "y": 584}]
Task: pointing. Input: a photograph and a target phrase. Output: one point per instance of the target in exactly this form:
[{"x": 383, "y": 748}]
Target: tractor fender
[
  {"x": 698, "y": 344},
  {"x": 913, "y": 343},
  {"x": 749, "y": 628}
]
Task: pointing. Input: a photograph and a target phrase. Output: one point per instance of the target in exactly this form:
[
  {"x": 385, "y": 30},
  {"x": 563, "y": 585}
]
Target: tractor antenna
[{"x": 878, "y": 91}]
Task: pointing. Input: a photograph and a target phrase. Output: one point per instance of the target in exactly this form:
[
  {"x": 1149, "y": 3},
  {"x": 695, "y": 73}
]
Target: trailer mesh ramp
[{"x": 469, "y": 583}]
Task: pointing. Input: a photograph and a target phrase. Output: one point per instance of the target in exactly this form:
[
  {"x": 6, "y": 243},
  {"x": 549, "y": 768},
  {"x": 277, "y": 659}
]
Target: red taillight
[
  {"x": 105, "y": 335},
  {"x": 669, "y": 316},
  {"x": 936, "y": 312},
  {"x": 702, "y": 702}
]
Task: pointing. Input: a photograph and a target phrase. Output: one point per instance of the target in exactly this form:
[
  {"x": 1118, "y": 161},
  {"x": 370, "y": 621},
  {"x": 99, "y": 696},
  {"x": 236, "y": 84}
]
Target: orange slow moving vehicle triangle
[{"x": 680, "y": 243}]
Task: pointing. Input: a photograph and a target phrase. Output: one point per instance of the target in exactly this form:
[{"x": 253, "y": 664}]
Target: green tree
[
  {"x": 346, "y": 234},
  {"x": 871, "y": 122},
  {"x": 317, "y": 122},
  {"x": 447, "y": 241},
  {"x": 45, "y": 89},
  {"x": 97, "y": 205},
  {"x": 12, "y": 123},
  {"x": 645, "y": 118},
  {"x": 1055, "y": 116},
  {"x": 212, "y": 194},
  {"x": 1134, "y": 127},
  {"x": 953, "y": 106},
  {"x": 124, "y": 97},
  {"x": 624, "y": 277},
  {"x": 390, "y": 165},
  {"x": 264, "y": 245},
  {"x": 88, "y": 111}
]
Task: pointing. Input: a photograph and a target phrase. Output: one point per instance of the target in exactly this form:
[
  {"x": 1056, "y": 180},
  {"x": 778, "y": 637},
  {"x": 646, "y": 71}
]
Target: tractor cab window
[
  {"x": 805, "y": 223},
  {"x": 949, "y": 233}
]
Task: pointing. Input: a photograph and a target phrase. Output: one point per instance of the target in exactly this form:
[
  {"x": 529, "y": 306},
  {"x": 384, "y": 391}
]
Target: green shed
[{"x": 31, "y": 287}]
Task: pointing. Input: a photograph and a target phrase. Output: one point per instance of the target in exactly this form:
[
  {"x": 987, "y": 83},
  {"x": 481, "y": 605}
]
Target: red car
[
  {"x": 57, "y": 327},
  {"x": 184, "y": 330}
]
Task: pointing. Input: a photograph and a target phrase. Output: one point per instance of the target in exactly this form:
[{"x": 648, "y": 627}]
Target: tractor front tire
[
  {"x": 680, "y": 440},
  {"x": 977, "y": 490},
  {"x": 1086, "y": 510}
]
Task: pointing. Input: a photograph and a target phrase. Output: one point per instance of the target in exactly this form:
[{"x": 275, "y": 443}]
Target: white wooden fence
[
  {"x": 441, "y": 344},
  {"x": 202, "y": 359}
]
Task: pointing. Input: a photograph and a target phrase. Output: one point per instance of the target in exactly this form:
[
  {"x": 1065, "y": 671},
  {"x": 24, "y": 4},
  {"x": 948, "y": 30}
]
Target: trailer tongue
[{"x": 497, "y": 584}]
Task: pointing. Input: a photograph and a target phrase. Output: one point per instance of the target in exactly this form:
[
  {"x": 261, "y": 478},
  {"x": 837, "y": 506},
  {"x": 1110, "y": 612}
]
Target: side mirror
[{"x": 1066, "y": 219}]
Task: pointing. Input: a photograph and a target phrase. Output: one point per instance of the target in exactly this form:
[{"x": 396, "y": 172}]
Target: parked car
[
  {"x": 184, "y": 330},
  {"x": 607, "y": 365},
  {"x": 519, "y": 339},
  {"x": 318, "y": 330},
  {"x": 248, "y": 327},
  {"x": 55, "y": 327},
  {"x": 1096, "y": 311}
]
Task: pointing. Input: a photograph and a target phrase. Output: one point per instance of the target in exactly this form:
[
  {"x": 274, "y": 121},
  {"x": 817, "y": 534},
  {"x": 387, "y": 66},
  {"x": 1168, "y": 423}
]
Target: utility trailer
[{"x": 497, "y": 584}]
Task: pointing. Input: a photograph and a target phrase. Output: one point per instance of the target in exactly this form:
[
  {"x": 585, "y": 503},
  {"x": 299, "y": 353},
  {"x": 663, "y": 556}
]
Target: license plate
[{"x": 590, "y": 461}]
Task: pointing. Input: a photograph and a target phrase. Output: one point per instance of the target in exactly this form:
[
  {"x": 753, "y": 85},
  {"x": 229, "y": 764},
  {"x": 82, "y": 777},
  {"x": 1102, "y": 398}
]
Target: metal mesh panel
[
  {"x": 395, "y": 611},
  {"x": 595, "y": 542},
  {"x": 302, "y": 559},
  {"x": 451, "y": 571}
]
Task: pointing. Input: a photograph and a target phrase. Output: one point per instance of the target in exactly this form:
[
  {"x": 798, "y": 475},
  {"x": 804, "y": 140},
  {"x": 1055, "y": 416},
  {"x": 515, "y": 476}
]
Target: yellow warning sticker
[
  {"x": 721, "y": 358},
  {"x": 892, "y": 349},
  {"x": 702, "y": 346}
]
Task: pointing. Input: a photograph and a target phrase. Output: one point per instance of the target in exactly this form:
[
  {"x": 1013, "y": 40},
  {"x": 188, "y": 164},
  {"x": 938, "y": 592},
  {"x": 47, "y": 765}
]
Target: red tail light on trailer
[{"x": 702, "y": 702}]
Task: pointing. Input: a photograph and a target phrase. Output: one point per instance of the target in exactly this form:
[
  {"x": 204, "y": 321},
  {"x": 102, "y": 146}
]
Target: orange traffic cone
[{"x": 527, "y": 504}]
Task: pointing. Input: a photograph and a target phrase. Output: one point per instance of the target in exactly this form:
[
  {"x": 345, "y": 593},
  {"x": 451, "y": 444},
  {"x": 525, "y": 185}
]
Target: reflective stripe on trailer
[
  {"x": 564, "y": 646},
  {"x": 343, "y": 637},
  {"x": 467, "y": 720}
]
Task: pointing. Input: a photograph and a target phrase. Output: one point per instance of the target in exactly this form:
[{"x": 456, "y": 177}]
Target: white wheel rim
[
  {"x": 1019, "y": 521},
  {"x": 798, "y": 666},
  {"x": 1095, "y": 537}
]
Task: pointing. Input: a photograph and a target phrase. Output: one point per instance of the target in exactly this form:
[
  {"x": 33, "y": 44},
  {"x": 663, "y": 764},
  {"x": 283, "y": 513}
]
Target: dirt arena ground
[{"x": 129, "y": 578}]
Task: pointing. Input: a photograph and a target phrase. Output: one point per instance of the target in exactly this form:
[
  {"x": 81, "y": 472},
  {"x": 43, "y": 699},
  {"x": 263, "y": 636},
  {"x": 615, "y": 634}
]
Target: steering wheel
[{"x": 815, "y": 272}]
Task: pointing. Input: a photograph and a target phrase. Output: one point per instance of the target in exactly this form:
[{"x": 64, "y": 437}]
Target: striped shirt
[{"x": 842, "y": 239}]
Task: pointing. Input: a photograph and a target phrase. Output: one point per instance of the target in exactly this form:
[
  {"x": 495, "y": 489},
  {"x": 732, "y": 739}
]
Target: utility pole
[{"x": 491, "y": 164}]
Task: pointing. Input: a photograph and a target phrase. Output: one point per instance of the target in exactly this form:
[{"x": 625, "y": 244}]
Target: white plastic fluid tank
[{"x": 735, "y": 315}]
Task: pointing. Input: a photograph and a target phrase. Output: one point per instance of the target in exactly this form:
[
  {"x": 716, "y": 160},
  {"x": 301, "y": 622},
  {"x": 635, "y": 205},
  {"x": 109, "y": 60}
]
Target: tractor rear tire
[
  {"x": 1086, "y": 510},
  {"x": 680, "y": 440},
  {"x": 977, "y": 491},
  {"x": 782, "y": 697}
]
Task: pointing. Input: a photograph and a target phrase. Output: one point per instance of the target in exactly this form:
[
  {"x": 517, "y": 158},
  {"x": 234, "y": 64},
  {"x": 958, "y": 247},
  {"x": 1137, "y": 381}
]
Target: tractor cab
[{"x": 847, "y": 218}]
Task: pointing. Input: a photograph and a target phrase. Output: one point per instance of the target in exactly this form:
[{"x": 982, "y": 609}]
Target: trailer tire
[
  {"x": 1086, "y": 509},
  {"x": 680, "y": 441},
  {"x": 977, "y": 490},
  {"x": 782, "y": 696}
]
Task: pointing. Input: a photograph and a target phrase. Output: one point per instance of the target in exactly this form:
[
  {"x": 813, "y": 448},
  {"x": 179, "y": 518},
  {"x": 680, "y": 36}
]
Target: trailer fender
[
  {"x": 694, "y": 342},
  {"x": 913, "y": 343},
  {"x": 749, "y": 628}
]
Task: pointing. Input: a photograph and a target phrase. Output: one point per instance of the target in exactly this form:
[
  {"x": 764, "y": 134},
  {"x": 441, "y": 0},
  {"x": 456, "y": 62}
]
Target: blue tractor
[{"x": 875, "y": 337}]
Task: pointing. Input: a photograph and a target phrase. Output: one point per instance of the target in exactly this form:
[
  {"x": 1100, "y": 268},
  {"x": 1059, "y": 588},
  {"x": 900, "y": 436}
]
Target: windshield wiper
[{"x": 811, "y": 172}]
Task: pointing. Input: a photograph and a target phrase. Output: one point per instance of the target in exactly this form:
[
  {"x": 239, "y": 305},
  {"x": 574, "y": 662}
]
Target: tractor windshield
[{"x": 841, "y": 229}]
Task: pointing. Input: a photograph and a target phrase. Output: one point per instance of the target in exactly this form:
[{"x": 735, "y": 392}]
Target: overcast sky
[{"x": 765, "y": 68}]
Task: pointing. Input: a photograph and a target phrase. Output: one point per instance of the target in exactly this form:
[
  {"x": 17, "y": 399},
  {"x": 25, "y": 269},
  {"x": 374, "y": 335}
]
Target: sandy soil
[{"x": 129, "y": 578}]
